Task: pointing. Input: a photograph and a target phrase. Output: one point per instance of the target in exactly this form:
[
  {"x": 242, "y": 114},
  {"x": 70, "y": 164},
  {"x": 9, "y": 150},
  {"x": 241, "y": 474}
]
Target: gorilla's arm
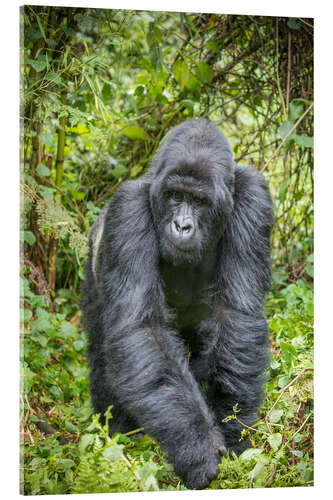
[
  {"x": 245, "y": 263},
  {"x": 240, "y": 352},
  {"x": 146, "y": 363}
]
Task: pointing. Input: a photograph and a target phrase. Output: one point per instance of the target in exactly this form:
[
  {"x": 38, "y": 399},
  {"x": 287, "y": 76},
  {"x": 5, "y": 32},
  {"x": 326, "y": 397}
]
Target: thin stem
[
  {"x": 284, "y": 390},
  {"x": 287, "y": 136}
]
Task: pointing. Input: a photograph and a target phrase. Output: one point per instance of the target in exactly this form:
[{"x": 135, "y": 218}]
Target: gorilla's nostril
[
  {"x": 182, "y": 227},
  {"x": 177, "y": 226}
]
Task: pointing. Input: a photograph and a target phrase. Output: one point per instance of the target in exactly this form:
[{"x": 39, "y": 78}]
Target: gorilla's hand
[{"x": 200, "y": 469}]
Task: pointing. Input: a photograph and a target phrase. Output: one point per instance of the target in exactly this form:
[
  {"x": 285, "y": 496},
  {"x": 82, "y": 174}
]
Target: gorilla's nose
[{"x": 182, "y": 227}]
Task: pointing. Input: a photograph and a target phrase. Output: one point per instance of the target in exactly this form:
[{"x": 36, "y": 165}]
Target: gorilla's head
[{"x": 191, "y": 191}]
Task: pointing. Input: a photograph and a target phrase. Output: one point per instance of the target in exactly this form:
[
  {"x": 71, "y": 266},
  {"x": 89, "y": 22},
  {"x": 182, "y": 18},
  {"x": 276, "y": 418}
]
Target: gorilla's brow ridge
[{"x": 188, "y": 184}]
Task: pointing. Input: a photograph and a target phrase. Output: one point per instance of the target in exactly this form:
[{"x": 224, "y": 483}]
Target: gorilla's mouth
[
  {"x": 182, "y": 246},
  {"x": 178, "y": 253}
]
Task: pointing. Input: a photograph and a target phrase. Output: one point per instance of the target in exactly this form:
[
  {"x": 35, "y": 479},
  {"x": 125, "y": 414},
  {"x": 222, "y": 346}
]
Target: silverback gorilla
[{"x": 172, "y": 300}]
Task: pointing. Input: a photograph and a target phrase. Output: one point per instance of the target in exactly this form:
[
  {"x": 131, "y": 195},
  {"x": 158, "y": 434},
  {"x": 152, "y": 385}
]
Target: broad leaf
[
  {"x": 275, "y": 440},
  {"x": 29, "y": 237},
  {"x": 135, "y": 133},
  {"x": 85, "y": 441},
  {"x": 37, "y": 64},
  {"x": 119, "y": 171},
  {"x": 43, "y": 170},
  {"x": 304, "y": 140},
  {"x": 205, "y": 73},
  {"x": 250, "y": 453},
  {"x": 114, "y": 452},
  {"x": 213, "y": 46},
  {"x": 275, "y": 416},
  {"x": 67, "y": 330},
  {"x": 46, "y": 138},
  {"x": 295, "y": 111},
  {"x": 181, "y": 73}
]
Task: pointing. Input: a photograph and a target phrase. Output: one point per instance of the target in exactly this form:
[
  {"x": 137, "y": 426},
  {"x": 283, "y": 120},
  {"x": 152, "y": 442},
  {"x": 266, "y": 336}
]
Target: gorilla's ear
[{"x": 245, "y": 265}]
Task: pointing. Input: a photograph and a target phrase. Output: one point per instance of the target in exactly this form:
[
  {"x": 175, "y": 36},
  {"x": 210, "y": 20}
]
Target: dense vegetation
[{"x": 100, "y": 88}]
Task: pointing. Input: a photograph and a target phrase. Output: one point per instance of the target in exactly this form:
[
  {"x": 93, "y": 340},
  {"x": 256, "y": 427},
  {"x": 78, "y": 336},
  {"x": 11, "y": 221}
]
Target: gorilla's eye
[
  {"x": 178, "y": 196},
  {"x": 175, "y": 195},
  {"x": 199, "y": 201}
]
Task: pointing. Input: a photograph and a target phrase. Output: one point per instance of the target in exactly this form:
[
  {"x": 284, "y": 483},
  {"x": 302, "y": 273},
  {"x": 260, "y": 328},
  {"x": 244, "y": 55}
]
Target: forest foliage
[{"x": 99, "y": 90}]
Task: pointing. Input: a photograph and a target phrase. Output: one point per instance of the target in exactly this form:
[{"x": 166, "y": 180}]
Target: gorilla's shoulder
[
  {"x": 131, "y": 190},
  {"x": 249, "y": 177},
  {"x": 131, "y": 197},
  {"x": 251, "y": 186}
]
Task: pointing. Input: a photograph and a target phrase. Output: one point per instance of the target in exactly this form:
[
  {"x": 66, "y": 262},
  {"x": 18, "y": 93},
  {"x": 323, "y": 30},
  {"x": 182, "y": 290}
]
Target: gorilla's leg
[
  {"x": 237, "y": 359},
  {"x": 148, "y": 372}
]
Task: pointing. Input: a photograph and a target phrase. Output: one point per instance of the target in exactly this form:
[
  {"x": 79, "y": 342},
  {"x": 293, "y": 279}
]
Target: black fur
[{"x": 177, "y": 335}]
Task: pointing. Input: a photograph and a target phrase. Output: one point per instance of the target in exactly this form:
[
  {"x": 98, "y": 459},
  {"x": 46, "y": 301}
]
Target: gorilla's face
[
  {"x": 191, "y": 212},
  {"x": 185, "y": 225},
  {"x": 191, "y": 192}
]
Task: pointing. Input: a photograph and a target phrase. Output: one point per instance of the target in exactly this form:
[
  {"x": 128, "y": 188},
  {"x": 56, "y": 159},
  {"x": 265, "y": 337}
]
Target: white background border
[{"x": 9, "y": 198}]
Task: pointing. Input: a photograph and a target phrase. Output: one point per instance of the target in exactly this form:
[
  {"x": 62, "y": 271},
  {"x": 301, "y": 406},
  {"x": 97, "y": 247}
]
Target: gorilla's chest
[{"x": 187, "y": 293}]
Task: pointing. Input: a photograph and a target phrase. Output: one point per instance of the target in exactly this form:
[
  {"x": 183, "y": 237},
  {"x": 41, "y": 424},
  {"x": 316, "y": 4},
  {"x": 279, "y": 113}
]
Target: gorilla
[{"x": 172, "y": 301}]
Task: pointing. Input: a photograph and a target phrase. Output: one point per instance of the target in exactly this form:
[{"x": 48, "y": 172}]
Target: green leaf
[
  {"x": 148, "y": 475},
  {"x": 181, "y": 73},
  {"x": 285, "y": 127},
  {"x": 193, "y": 85},
  {"x": 213, "y": 46},
  {"x": 139, "y": 90},
  {"x": 275, "y": 440},
  {"x": 275, "y": 364},
  {"x": 119, "y": 171},
  {"x": 288, "y": 349},
  {"x": 79, "y": 344},
  {"x": 257, "y": 472},
  {"x": 250, "y": 453},
  {"x": 46, "y": 138},
  {"x": 114, "y": 452},
  {"x": 136, "y": 170},
  {"x": 106, "y": 92},
  {"x": 309, "y": 269},
  {"x": 67, "y": 330},
  {"x": 37, "y": 65},
  {"x": 41, "y": 325},
  {"x": 135, "y": 133},
  {"x": 295, "y": 111},
  {"x": 275, "y": 416},
  {"x": 66, "y": 463},
  {"x": 29, "y": 237},
  {"x": 53, "y": 77},
  {"x": 56, "y": 393},
  {"x": 77, "y": 195},
  {"x": 42, "y": 340},
  {"x": 304, "y": 140},
  {"x": 43, "y": 170},
  {"x": 27, "y": 315},
  {"x": 283, "y": 190},
  {"x": 71, "y": 428},
  {"x": 46, "y": 192},
  {"x": 293, "y": 24},
  {"x": 41, "y": 27},
  {"x": 205, "y": 73},
  {"x": 85, "y": 441}
]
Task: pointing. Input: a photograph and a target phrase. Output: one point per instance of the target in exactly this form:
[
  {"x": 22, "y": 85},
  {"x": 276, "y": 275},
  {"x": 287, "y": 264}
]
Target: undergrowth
[{"x": 65, "y": 449}]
